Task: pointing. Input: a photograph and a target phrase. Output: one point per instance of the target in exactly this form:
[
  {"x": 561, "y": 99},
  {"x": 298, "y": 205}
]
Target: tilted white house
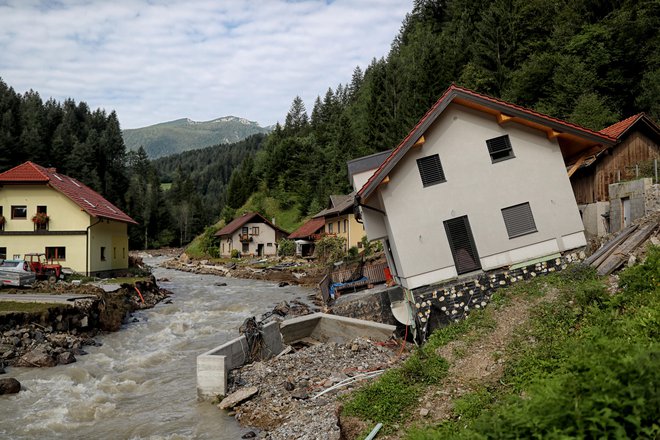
[{"x": 478, "y": 184}]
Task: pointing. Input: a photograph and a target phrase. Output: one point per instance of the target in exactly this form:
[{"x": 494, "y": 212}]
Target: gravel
[{"x": 286, "y": 406}]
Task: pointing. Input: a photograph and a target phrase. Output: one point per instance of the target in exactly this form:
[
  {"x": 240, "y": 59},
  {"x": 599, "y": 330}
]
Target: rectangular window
[
  {"x": 519, "y": 220},
  {"x": 56, "y": 253},
  {"x": 3, "y": 253},
  {"x": 345, "y": 225},
  {"x": 102, "y": 253},
  {"x": 430, "y": 170},
  {"x": 114, "y": 253},
  {"x": 500, "y": 149},
  {"x": 462, "y": 245},
  {"x": 2, "y": 221},
  {"x": 330, "y": 228},
  {"x": 246, "y": 248},
  {"x": 338, "y": 227},
  {"x": 269, "y": 244},
  {"x": 41, "y": 219},
  {"x": 255, "y": 230},
  {"x": 19, "y": 212}
]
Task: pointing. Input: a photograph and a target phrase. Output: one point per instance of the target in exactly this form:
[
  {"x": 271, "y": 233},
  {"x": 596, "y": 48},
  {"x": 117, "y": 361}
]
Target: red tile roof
[
  {"x": 86, "y": 198},
  {"x": 246, "y": 218},
  {"x": 310, "y": 227},
  {"x": 455, "y": 91},
  {"x": 616, "y": 130}
]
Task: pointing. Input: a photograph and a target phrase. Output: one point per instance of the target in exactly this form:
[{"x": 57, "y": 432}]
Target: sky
[{"x": 154, "y": 61}]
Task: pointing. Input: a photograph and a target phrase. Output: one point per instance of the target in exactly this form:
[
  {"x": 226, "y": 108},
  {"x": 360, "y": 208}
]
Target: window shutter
[
  {"x": 500, "y": 148},
  {"x": 462, "y": 245},
  {"x": 430, "y": 169},
  {"x": 519, "y": 220}
]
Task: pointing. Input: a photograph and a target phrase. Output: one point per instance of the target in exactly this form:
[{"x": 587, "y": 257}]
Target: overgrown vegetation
[
  {"x": 586, "y": 366},
  {"x": 330, "y": 249},
  {"x": 286, "y": 248}
]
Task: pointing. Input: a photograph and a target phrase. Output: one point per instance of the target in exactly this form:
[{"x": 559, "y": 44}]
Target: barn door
[{"x": 462, "y": 245}]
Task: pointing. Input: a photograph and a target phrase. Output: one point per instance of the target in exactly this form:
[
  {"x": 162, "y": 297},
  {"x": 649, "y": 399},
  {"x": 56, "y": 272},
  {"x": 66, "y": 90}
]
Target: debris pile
[
  {"x": 624, "y": 246},
  {"x": 293, "y": 395}
]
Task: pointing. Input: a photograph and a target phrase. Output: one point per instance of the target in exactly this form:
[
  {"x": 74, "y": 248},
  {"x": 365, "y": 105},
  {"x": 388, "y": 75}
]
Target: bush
[
  {"x": 286, "y": 248},
  {"x": 235, "y": 253},
  {"x": 330, "y": 249},
  {"x": 353, "y": 251}
]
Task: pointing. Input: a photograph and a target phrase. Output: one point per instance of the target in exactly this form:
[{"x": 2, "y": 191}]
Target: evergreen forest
[{"x": 592, "y": 62}]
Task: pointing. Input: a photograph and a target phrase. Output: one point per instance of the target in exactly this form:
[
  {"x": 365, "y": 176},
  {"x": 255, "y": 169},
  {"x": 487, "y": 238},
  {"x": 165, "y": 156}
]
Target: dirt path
[{"x": 476, "y": 359}]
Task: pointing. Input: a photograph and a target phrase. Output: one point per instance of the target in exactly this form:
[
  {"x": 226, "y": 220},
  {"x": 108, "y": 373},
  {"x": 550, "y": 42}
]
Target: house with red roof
[
  {"x": 250, "y": 234},
  {"x": 306, "y": 235},
  {"x": 477, "y": 184},
  {"x": 637, "y": 143},
  {"x": 42, "y": 210}
]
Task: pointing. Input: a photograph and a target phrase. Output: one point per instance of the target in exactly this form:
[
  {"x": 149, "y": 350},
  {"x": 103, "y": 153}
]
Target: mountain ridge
[{"x": 184, "y": 134}]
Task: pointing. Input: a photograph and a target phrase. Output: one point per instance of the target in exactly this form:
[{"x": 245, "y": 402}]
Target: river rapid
[{"x": 140, "y": 384}]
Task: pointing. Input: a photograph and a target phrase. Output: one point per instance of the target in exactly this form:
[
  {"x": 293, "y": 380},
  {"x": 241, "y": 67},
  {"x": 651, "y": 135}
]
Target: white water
[{"x": 141, "y": 383}]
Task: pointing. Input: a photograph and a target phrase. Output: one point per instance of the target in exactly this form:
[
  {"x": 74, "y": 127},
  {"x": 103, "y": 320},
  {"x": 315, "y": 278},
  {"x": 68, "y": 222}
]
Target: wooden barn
[{"x": 637, "y": 144}]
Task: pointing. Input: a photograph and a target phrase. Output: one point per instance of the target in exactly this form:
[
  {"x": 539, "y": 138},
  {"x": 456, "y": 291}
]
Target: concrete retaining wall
[
  {"x": 213, "y": 366},
  {"x": 634, "y": 190}
]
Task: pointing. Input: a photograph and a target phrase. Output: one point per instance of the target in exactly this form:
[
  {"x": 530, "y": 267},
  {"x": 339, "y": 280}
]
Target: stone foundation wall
[{"x": 439, "y": 305}]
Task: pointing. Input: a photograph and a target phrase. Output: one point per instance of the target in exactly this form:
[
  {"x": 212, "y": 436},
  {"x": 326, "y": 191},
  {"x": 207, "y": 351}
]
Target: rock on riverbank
[
  {"x": 57, "y": 335},
  {"x": 280, "y": 270}
]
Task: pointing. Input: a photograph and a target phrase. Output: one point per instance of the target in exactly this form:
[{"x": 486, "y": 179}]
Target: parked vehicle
[
  {"x": 44, "y": 268},
  {"x": 16, "y": 273}
]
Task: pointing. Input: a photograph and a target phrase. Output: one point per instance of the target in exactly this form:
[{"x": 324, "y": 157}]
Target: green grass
[
  {"x": 586, "y": 366},
  {"x": 22, "y": 307},
  {"x": 166, "y": 186}
]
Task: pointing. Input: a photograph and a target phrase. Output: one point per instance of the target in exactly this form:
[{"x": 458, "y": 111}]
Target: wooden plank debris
[
  {"x": 621, "y": 253},
  {"x": 609, "y": 246}
]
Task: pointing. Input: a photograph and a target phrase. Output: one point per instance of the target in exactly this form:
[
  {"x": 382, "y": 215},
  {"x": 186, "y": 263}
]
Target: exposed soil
[{"x": 476, "y": 360}]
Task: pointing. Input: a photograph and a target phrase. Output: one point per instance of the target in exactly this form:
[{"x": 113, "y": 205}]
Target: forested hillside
[
  {"x": 174, "y": 137},
  {"x": 587, "y": 61},
  {"x": 88, "y": 145}
]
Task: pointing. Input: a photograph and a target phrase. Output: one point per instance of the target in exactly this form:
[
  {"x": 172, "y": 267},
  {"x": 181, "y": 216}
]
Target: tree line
[
  {"x": 591, "y": 62},
  {"x": 172, "y": 199}
]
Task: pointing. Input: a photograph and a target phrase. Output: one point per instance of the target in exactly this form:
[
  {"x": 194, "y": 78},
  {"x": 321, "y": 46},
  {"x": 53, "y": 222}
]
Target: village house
[
  {"x": 637, "y": 144},
  {"x": 44, "y": 211},
  {"x": 340, "y": 221},
  {"x": 250, "y": 234},
  {"x": 306, "y": 235},
  {"x": 478, "y": 184}
]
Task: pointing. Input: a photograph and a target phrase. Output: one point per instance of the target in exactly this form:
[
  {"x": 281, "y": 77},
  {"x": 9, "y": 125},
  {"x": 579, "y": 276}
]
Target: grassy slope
[
  {"x": 287, "y": 219},
  {"x": 584, "y": 365}
]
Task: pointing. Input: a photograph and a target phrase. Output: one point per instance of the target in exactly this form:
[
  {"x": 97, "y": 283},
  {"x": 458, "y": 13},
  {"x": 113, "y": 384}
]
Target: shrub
[
  {"x": 286, "y": 248},
  {"x": 353, "y": 251},
  {"x": 330, "y": 249},
  {"x": 235, "y": 253}
]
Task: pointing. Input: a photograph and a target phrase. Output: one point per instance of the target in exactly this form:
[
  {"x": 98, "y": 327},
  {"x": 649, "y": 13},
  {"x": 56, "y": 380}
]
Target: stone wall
[
  {"x": 440, "y": 305},
  {"x": 652, "y": 198}
]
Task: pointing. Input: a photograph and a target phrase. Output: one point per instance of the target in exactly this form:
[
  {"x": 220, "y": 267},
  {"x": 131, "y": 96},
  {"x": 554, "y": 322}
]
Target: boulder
[
  {"x": 66, "y": 358},
  {"x": 237, "y": 397},
  {"x": 9, "y": 386},
  {"x": 36, "y": 358}
]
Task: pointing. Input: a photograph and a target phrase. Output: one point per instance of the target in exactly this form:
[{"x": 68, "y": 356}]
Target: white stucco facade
[
  {"x": 475, "y": 187},
  {"x": 258, "y": 239}
]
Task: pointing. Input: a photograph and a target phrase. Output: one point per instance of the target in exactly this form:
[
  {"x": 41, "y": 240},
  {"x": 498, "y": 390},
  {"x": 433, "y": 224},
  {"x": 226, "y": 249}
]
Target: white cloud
[{"x": 153, "y": 61}]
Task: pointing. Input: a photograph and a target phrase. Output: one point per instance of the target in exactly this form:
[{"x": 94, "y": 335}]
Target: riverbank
[
  {"x": 46, "y": 334},
  {"x": 277, "y": 269}
]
